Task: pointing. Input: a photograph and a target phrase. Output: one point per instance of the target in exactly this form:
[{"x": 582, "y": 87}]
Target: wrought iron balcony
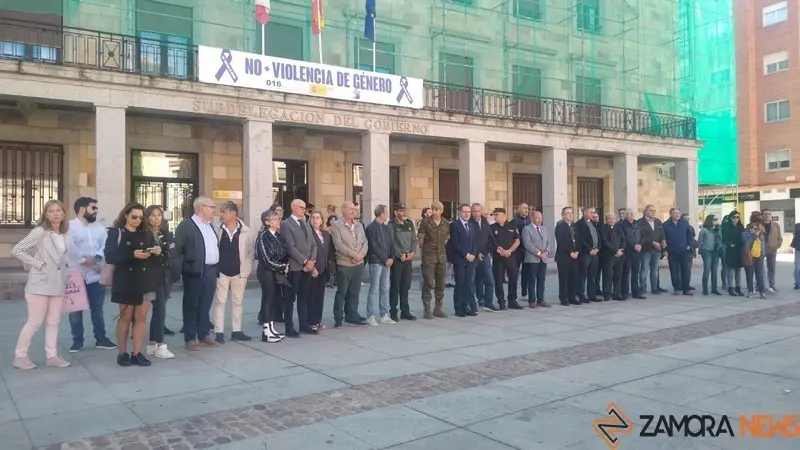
[
  {"x": 69, "y": 46},
  {"x": 524, "y": 108}
]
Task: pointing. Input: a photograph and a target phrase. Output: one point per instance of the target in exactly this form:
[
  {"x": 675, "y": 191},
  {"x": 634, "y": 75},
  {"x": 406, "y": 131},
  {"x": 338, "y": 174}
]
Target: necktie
[
  {"x": 303, "y": 227},
  {"x": 466, "y": 227},
  {"x": 539, "y": 229}
]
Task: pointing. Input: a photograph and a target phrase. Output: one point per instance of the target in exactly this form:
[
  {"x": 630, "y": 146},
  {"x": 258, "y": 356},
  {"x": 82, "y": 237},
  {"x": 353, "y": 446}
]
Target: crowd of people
[{"x": 300, "y": 254}]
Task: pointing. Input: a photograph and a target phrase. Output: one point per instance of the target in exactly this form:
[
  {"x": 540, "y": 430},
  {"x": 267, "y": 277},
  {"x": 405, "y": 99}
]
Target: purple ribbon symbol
[
  {"x": 404, "y": 91},
  {"x": 226, "y": 57}
]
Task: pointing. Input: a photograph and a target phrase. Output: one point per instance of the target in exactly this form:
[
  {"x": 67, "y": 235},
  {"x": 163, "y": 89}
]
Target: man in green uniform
[{"x": 434, "y": 232}]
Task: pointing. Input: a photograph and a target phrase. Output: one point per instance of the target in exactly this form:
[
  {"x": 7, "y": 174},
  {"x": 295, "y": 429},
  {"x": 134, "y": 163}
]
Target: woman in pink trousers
[{"x": 43, "y": 253}]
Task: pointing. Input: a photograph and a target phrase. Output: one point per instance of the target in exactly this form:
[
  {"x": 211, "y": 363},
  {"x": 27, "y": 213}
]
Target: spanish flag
[{"x": 317, "y": 17}]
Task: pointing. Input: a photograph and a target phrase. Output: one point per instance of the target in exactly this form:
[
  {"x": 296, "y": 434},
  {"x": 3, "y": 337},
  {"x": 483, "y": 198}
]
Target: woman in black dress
[
  {"x": 273, "y": 263},
  {"x": 128, "y": 247}
]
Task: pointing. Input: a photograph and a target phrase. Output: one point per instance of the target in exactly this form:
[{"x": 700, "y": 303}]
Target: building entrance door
[
  {"x": 167, "y": 179},
  {"x": 291, "y": 182}
]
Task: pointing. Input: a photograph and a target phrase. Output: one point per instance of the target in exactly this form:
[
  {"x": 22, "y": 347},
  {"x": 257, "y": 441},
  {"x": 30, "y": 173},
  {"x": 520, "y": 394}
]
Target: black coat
[
  {"x": 613, "y": 239},
  {"x": 583, "y": 237},
  {"x": 650, "y": 235},
  {"x": 732, "y": 236},
  {"x": 132, "y": 277},
  {"x": 565, "y": 241}
]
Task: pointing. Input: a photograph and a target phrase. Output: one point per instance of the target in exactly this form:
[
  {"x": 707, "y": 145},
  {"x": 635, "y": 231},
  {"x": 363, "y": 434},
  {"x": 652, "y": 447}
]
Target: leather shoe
[
  {"x": 359, "y": 321},
  {"x": 407, "y": 316},
  {"x": 543, "y": 304},
  {"x": 308, "y": 331},
  {"x": 292, "y": 333}
]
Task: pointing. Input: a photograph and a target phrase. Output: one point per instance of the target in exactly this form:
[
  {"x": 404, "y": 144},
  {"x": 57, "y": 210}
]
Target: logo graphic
[
  {"x": 226, "y": 57},
  {"x": 616, "y": 423},
  {"x": 404, "y": 91}
]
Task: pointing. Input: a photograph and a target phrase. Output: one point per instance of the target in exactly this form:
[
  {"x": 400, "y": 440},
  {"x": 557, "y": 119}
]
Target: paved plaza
[{"x": 531, "y": 379}]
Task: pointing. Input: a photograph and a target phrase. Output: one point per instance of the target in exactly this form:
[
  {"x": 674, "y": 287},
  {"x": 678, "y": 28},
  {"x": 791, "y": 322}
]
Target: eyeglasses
[{"x": 210, "y": 206}]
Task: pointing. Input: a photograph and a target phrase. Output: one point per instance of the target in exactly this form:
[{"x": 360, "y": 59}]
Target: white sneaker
[
  {"x": 163, "y": 352},
  {"x": 151, "y": 349},
  {"x": 371, "y": 321},
  {"x": 386, "y": 319},
  {"x": 771, "y": 290}
]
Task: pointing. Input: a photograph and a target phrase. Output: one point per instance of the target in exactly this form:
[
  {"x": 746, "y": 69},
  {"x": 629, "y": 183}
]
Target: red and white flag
[{"x": 262, "y": 11}]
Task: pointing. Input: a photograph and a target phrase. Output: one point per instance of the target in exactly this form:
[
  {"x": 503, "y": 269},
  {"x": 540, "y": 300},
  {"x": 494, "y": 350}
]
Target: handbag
[
  {"x": 107, "y": 272},
  {"x": 747, "y": 257},
  {"x": 75, "y": 298}
]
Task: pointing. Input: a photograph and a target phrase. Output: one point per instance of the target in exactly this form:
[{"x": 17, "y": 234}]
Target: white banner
[{"x": 233, "y": 68}]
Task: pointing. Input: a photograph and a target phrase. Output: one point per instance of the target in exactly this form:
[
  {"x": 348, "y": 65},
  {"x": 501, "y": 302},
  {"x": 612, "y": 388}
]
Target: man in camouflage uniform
[{"x": 434, "y": 232}]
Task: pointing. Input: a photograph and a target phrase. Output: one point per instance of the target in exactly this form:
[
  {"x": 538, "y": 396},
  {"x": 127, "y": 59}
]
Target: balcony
[{"x": 48, "y": 44}]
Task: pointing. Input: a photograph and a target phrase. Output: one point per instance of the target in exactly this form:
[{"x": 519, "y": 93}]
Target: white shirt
[
  {"x": 209, "y": 239},
  {"x": 86, "y": 240}
]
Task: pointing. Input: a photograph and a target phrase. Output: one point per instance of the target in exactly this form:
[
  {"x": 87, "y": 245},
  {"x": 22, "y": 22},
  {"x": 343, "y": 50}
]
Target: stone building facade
[{"x": 240, "y": 144}]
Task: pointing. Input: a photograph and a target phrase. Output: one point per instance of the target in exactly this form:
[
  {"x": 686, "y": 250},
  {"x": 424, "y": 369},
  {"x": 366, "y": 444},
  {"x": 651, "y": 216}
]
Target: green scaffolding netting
[{"x": 656, "y": 56}]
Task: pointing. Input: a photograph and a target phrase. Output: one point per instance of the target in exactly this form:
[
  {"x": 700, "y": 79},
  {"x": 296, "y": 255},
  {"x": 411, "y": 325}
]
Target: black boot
[
  {"x": 739, "y": 292},
  {"x": 731, "y": 292}
]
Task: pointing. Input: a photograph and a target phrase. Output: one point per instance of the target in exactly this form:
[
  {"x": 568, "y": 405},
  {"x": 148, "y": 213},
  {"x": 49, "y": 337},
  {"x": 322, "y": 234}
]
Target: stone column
[
  {"x": 554, "y": 186},
  {"x": 112, "y": 172},
  {"x": 472, "y": 172},
  {"x": 626, "y": 182},
  {"x": 375, "y": 151},
  {"x": 257, "y": 165},
  {"x": 686, "y": 196}
]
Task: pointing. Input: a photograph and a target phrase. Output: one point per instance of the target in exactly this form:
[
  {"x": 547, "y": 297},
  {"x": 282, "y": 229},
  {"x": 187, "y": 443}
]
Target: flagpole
[
  {"x": 319, "y": 25},
  {"x": 374, "y": 59},
  {"x": 263, "y": 39}
]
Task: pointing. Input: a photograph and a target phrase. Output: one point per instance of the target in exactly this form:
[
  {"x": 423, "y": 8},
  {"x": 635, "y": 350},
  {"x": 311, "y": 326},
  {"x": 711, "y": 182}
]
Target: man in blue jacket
[{"x": 680, "y": 242}]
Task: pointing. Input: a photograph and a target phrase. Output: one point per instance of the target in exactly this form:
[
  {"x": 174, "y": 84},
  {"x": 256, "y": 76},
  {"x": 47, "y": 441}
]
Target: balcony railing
[
  {"x": 68, "y": 46},
  {"x": 524, "y": 108}
]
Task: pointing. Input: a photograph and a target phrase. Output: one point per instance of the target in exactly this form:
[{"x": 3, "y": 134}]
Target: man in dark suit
[
  {"x": 464, "y": 236},
  {"x": 566, "y": 258},
  {"x": 196, "y": 257},
  {"x": 484, "y": 279},
  {"x": 598, "y": 224},
  {"x": 633, "y": 256},
  {"x": 587, "y": 240},
  {"x": 612, "y": 254},
  {"x": 302, "y": 249}
]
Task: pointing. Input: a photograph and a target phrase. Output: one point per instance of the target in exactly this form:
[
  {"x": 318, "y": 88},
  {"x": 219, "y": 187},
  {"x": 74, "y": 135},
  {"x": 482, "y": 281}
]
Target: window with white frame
[
  {"x": 776, "y": 62},
  {"x": 778, "y": 159},
  {"x": 775, "y": 13},
  {"x": 775, "y": 111}
]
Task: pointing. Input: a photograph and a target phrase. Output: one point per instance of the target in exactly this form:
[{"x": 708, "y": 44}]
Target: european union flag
[{"x": 369, "y": 21}]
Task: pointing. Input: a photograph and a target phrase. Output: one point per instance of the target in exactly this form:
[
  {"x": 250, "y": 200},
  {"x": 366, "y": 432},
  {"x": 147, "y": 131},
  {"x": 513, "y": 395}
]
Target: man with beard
[{"x": 86, "y": 243}]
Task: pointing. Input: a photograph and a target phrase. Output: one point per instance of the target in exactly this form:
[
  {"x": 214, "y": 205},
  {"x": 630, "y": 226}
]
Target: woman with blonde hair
[{"x": 43, "y": 252}]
